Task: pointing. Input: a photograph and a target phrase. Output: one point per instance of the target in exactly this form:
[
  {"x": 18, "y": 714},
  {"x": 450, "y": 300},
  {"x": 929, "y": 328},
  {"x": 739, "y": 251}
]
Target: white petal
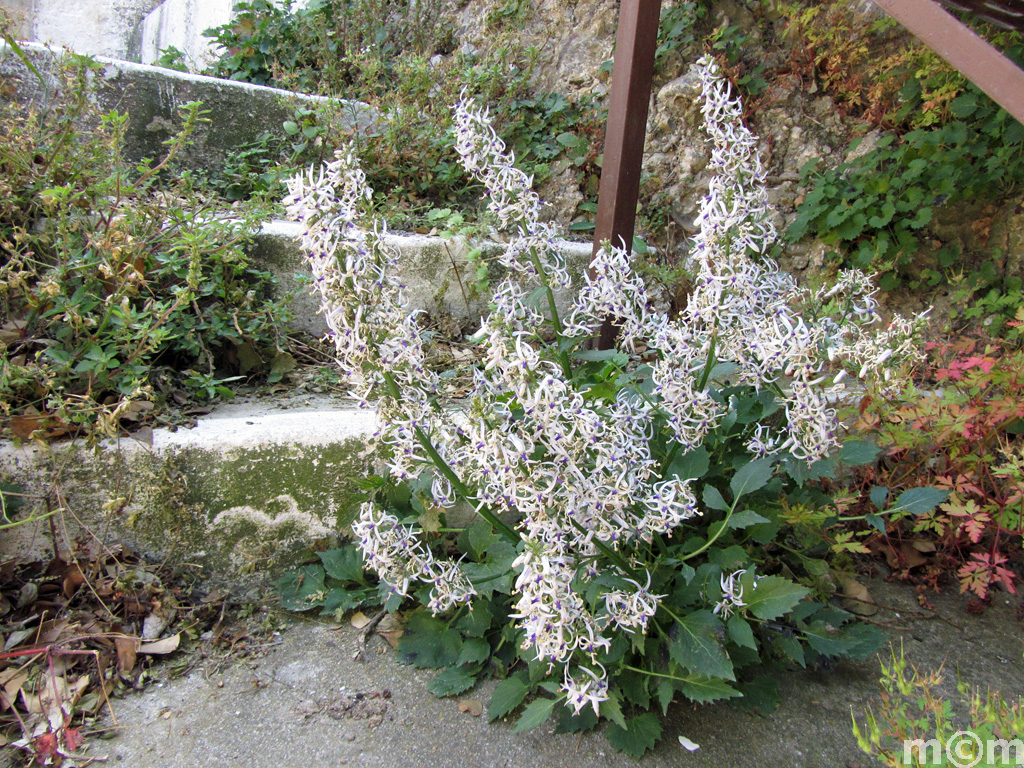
[{"x": 688, "y": 745}]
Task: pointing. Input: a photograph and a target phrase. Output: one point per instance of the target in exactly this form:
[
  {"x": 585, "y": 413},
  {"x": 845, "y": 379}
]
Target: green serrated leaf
[
  {"x": 536, "y": 712},
  {"x": 665, "y": 693},
  {"x": 696, "y": 645},
  {"x": 302, "y": 588},
  {"x": 771, "y": 596},
  {"x": 760, "y": 695},
  {"x": 453, "y": 680},
  {"x": 611, "y": 708},
  {"x": 427, "y": 643},
  {"x": 640, "y": 734},
  {"x": 345, "y": 564},
  {"x": 508, "y": 695},
  {"x": 475, "y": 650},
  {"x": 739, "y": 632},
  {"x": 702, "y": 689},
  {"x": 792, "y": 649},
  {"x": 857, "y": 453},
  {"x": 586, "y": 720}
]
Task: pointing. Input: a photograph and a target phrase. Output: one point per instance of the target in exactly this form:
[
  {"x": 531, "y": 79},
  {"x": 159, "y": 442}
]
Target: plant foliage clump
[
  {"x": 629, "y": 528},
  {"x": 120, "y": 288}
]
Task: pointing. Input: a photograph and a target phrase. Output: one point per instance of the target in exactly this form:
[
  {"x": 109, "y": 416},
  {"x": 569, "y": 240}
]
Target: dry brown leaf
[
  {"x": 127, "y": 650},
  {"x": 12, "y": 685},
  {"x": 167, "y": 645},
  {"x": 857, "y": 599},
  {"x": 913, "y": 557},
  {"x": 73, "y": 579},
  {"x": 923, "y": 546},
  {"x": 472, "y": 706},
  {"x": 359, "y": 620},
  {"x": 392, "y": 636}
]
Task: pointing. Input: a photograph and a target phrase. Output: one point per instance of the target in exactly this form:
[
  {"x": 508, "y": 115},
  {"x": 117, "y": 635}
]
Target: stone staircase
[{"x": 251, "y": 483}]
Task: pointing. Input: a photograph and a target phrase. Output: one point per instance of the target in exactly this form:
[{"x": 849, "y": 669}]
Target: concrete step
[
  {"x": 243, "y": 492},
  {"x": 436, "y": 272}
]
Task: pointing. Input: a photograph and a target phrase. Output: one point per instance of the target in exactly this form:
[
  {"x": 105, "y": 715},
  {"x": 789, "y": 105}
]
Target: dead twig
[{"x": 364, "y": 634}]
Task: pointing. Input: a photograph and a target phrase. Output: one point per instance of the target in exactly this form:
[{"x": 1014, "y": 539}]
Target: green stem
[
  {"x": 656, "y": 674},
  {"x": 706, "y": 374},
  {"x": 713, "y": 539},
  {"x": 607, "y": 551},
  {"x": 563, "y": 355},
  {"x": 460, "y": 487}
]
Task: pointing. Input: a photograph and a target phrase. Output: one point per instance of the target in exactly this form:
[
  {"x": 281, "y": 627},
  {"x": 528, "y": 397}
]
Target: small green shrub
[
  {"x": 916, "y": 726},
  {"x": 123, "y": 287},
  {"x": 873, "y": 209}
]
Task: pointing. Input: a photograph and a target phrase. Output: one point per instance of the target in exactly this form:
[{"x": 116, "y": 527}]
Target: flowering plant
[{"x": 625, "y": 501}]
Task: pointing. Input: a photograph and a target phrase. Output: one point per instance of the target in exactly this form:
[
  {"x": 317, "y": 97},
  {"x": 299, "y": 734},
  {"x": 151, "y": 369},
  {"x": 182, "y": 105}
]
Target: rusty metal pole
[
  {"x": 635, "y": 44},
  {"x": 978, "y": 61}
]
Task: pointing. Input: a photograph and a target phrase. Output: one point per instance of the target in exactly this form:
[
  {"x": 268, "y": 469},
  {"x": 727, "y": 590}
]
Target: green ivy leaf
[
  {"x": 697, "y": 648},
  {"x": 772, "y": 596},
  {"x": 508, "y": 695},
  {"x": 640, "y": 734}
]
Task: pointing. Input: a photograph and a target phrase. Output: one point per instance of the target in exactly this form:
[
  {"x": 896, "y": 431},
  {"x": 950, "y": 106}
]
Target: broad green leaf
[
  {"x": 921, "y": 501},
  {"x": 771, "y": 596},
  {"x": 666, "y": 692},
  {"x": 857, "y": 453},
  {"x": 536, "y": 712},
  {"x": 640, "y": 734},
  {"x": 427, "y": 643},
  {"x": 611, "y": 708},
  {"x": 508, "y": 695},
  {"x": 792, "y": 649},
  {"x": 690, "y": 465},
  {"x": 740, "y": 632},
  {"x": 746, "y": 518},
  {"x": 569, "y": 723},
  {"x": 476, "y": 539},
  {"x": 702, "y": 689},
  {"x": 696, "y": 647},
  {"x": 752, "y": 477},
  {"x": 713, "y": 499},
  {"x": 760, "y": 695},
  {"x": 345, "y": 564},
  {"x": 453, "y": 680},
  {"x": 878, "y": 495},
  {"x": 474, "y": 650},
  {"x": 302, "y": 588},
  {"x": 477, "y": 620}
]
